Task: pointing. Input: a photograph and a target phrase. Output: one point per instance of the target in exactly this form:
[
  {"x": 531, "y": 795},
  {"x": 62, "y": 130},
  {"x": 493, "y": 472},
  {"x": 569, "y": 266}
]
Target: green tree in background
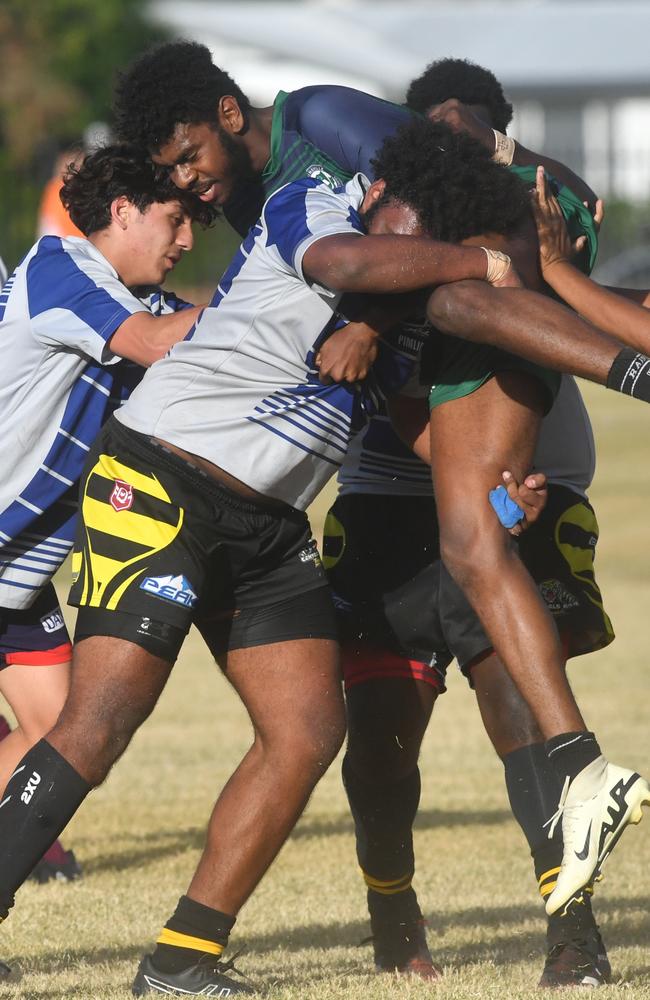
[{"x": 58, "y": 60}]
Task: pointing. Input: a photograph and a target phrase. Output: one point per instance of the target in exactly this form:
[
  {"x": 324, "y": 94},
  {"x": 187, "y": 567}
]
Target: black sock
[
  {"x": 570, "y": 753},
  {"x": 534, "y": 790},
  {"x": 42, "y": 795},
  {"x": 630, "y": 374},
  {"x": 192, "y": 931},
  {"x": 383, "y": 814}
]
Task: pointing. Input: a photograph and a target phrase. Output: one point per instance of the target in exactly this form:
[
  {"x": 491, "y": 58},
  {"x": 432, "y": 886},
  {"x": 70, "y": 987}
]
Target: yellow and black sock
[{"x": 192, "y": 931}]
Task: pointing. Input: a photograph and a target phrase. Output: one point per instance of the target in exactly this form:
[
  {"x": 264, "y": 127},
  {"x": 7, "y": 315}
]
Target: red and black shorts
[
  {"x": 35, "y": 636},
  {"x": 160, "y": 545},
  {"x": 402, "y": 615}
]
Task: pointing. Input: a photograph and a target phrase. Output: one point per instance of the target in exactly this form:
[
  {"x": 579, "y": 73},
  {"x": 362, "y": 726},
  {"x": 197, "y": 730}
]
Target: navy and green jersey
[
  {"x": 578, "y": 218},
  {"x": 324, "y": 132},
  {"x": 331, "y": 133}
]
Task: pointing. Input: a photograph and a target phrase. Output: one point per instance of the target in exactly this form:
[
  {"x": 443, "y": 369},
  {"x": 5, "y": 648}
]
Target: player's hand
[
  {"x": 599, "y": 213},
  {"x": 461, "y": 119},
  {"x": 348, "y": 354},
  {"x": 554, "y": 241},
  {"x": 531, "y": 496}
]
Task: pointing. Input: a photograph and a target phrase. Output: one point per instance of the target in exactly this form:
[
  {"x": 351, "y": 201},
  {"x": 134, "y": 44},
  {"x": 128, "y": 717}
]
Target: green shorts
[{"x": 457, "y": 368}]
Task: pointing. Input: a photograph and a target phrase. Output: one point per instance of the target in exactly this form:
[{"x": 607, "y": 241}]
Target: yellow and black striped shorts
[{"x": 160, "y": 544}]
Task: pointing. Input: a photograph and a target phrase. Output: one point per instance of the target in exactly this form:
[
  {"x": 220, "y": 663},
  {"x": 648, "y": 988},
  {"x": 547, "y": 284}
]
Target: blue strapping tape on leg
[{"x": 506, "y": 509}]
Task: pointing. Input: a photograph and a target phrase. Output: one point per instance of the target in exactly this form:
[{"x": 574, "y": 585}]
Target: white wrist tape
[
  {"x": 504, "y": 148},
  {"x": 498, "y": 265}
]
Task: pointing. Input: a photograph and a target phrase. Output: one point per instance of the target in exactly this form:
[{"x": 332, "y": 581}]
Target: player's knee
[
  {"x": 306, "y": 747},
  {"x": 475, "y": 550},
  {"x": 40, "y": 721},
  {"x": 93, "y": 739},
  {"x": 384, "y": 757}
]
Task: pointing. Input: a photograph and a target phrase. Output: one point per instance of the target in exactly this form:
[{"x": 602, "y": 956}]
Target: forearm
[
  {"x": 639, "y": 295},
  {"x": 615, "y": 314},
  {"x": 391, "y": 264},
  {"x": 144, "y": 338},
  {"x": 524, "y": 323}
]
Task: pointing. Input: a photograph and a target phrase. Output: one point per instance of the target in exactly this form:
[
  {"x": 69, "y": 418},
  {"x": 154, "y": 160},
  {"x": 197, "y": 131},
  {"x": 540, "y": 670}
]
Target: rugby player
[
  {"x": 402, "y": 618},
  {"x": 192, "y": 504},
  {"x": 69, "y": 317},
  {"x": 278, "y": 433},
  {"x": 194, "y": 119}
]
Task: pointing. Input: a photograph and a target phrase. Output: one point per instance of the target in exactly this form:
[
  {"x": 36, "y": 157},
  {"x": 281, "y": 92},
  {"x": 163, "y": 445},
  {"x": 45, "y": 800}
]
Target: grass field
[{"x": 139, "y": 836}]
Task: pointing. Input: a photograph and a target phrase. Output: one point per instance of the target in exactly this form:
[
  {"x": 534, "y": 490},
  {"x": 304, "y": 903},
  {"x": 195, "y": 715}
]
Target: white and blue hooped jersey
[
  {"x": 243, "y": 392},
  {"x": 59, "y": 382}
]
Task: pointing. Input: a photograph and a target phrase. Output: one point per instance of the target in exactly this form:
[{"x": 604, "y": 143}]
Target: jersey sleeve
[
  {"x": 300, "y": 214},
  {"x": 76, "y": 301},
  {"x": 348, "y": 125},
  {"x": 161, "y": 303}
]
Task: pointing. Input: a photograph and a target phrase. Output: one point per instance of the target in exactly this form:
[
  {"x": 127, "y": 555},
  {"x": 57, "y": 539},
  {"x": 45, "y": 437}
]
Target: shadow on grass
[
  {"x": 503, "y": 941},
  {"x": 154, "y": 846},
  {"x": 427, "y": 819},
  {"x": 150, "y": 847}
]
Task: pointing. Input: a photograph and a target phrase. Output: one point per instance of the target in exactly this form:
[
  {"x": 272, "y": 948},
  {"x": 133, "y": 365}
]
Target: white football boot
[{"x": 595, "y": 808}]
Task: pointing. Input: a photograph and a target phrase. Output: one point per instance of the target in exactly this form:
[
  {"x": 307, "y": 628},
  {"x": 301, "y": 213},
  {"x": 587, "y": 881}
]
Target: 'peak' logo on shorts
[
  {"x": 53, "y": 622},
  {"x": 122, "y": 496},
  {"x": 176, "y": 589}
]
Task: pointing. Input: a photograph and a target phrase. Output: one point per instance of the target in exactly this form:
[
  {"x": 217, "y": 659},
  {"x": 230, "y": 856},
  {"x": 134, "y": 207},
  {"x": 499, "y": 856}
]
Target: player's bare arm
[
  {"x": 390, "y": 264},
  {"x": 617, "y": 314},
  {"x": 460, "y": 117},
  {"x": 144, "y": 338}
]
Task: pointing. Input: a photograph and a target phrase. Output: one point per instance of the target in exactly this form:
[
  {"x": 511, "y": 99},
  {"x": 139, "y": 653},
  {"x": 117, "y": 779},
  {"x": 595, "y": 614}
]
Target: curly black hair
[
  {"x": 168, "y": 85},
  {"x": 464, "y": 80},
  {"x": 90, "y": 188},
  {"x": 451, "y": 182}
]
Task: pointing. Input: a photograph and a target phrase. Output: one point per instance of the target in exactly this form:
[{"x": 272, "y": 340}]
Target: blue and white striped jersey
[
  {"x": 59, "y": 382},
  {"x": 243, "y": 392}
]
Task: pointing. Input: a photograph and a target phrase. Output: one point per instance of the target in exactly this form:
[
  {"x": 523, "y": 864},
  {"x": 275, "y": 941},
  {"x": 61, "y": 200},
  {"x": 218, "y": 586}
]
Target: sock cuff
[
  {"x": 627, "y": 367},
  {"x": 199, "y": 921},
  {"x": 177, "y": 939},
  {"x": 565, "y": 741},
  {"x": 388, "y": 887}
]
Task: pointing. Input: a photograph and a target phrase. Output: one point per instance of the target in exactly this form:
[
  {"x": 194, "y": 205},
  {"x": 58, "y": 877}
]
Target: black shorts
[
  {"x": 161, "y": 544},
  {"x": 35, "y": 636},
  {"x": 400, "y": 612}
]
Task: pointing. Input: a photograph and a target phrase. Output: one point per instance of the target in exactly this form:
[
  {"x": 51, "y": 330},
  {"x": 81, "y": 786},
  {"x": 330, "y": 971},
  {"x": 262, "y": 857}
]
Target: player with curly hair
[
  {"x": 78, "y": 317},
  {"x": 219, "y": 451},
  {"x": 403, "y": 618}
]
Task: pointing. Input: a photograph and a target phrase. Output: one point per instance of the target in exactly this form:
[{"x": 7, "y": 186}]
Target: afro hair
[
  {"x": 449, "y": 179},
  {"x": 171, "y": 84},
  {"x": 465, "y": 81}
]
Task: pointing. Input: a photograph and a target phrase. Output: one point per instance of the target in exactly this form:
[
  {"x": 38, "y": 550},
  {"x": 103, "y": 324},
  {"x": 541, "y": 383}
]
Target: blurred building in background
[{"x": 577, "y": 71}]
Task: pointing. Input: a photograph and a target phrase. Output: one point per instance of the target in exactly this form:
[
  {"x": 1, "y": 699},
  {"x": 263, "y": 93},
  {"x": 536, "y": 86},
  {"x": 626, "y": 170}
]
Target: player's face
[
  {"x": 203, "y": 159},
  {"x": 157, "y": 239}
]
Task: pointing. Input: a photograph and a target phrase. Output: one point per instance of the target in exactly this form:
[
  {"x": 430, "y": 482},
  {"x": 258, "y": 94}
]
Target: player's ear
[
  {"x": 230, "y": 115},
  {"x": 374, "y": 194},
  {"x": 121, "y": 211}
]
